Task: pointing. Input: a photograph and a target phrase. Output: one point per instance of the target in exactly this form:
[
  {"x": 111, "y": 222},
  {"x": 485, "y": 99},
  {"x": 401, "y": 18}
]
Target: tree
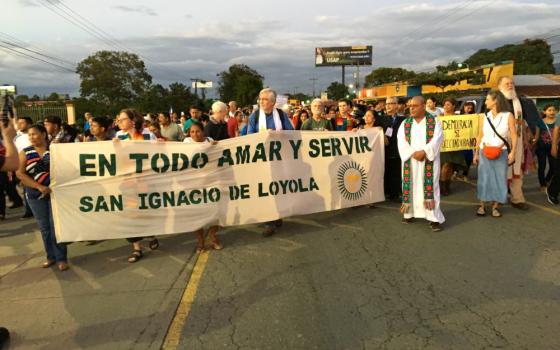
[
  {"x": 385, "y": 75},
  {"x": 154, "y": 99},
  {"x": 240, "y": 83},
  {"x": 530, "y": 57},
  {"x": 20, "y": 99},
  {"x": 451, "y": 66},
  {"x": 337, "y": 91},
  {"x": 53, "y": 97},
  {"x": 300, "y": 96},
  {"x": 180, "y": 96},
  {"x": 113, "y": 79},
  {"x": 442, "y": 80}
]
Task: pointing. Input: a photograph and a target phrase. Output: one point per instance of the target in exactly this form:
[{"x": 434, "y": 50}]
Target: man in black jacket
[{"x": 391, "y": 122}]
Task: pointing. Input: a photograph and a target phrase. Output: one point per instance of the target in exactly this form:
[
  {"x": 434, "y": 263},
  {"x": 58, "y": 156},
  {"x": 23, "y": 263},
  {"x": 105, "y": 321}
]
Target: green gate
[{"x": 39, "y": 112}]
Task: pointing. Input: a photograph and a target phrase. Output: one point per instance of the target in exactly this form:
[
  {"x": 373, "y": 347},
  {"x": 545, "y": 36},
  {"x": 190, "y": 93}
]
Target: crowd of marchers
[{"x": 416, "y": 173}]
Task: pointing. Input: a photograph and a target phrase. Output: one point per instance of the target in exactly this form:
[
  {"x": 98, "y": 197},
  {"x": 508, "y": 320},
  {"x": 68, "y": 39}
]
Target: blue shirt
[{"x": 253, "y": 126}]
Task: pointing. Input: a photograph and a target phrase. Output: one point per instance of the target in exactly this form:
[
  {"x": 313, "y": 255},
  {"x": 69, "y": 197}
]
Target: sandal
[
  {"x": 135, "y": 256},
  {"x": 496, "y": 213},
  {"x": 154, "y": 244},
  {"x": 48, "y": 263},
  {"x": 216, "y": 245},
  {"x": 200, "y": 247},
  {"x": 481, "y": 211}
]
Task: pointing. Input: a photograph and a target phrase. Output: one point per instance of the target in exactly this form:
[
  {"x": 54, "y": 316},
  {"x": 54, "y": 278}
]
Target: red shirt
[
  {"x": 232, "y": 127},
  {"x": 342, "y": 122}
]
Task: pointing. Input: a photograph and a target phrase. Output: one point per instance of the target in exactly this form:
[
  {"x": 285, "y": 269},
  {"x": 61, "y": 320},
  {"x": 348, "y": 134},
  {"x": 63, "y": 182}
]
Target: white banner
[{"x": 107, "y": 190}]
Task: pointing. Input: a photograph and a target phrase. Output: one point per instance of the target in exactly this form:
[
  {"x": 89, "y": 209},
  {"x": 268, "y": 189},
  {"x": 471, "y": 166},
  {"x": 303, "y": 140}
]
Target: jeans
[
  {"x": 3, "y": 188},
  {"x": 25, "y": 203},
  {"x": 41, "y": 208},
  {"x": 554, "y": 187},
  {"x": 543, "y": 153}
]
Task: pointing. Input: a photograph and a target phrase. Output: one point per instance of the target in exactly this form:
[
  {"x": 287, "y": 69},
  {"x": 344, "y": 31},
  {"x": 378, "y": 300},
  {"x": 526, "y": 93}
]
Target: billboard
[
  {"x": 342, "y": 56},
  {"x": 201, "y": 84}
]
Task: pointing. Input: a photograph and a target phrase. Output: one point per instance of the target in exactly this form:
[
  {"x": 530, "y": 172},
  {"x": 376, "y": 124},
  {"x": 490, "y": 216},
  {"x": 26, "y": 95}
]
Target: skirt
[{"x": 492, "y": 178}]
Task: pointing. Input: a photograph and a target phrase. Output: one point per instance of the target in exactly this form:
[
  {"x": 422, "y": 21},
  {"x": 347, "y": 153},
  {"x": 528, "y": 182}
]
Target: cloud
[
  {"x": 323, "y": 19},
  {"x": 28, "y": 3},
  {"x": 417, "y": 37},
  {"x": 35, "y": 3},
  {"x": 137, "y": 9}
]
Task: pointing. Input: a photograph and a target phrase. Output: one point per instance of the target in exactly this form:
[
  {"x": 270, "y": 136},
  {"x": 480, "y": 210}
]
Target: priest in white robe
[{"x": 419, "y": 139}]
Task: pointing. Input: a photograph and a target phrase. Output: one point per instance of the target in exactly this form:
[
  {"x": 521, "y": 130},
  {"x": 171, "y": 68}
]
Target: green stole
[{"x": 428, "y": 164}]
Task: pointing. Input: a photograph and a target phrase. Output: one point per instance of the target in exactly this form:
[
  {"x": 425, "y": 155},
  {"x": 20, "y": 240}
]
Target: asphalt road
[{"x": 351, "y": 279}]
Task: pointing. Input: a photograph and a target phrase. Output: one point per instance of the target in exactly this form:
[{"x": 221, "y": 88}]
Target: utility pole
[{"x": 313, "y": 80}]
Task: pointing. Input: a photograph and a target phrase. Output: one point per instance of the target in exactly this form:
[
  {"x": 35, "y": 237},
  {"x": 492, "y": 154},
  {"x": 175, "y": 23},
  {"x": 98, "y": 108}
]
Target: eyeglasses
[{"x": 391, "y": 103}]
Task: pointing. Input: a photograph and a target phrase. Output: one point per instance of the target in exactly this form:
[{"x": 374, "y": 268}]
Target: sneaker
[
  {"x": 551, "y": 200},
  {"x": 520, "y": 206},
  {"x": 27, "y": 215},
  {"x": 268, "y": 231},
  {"x": 16, "y": 205},
  {"x": 436, "y": 226}
]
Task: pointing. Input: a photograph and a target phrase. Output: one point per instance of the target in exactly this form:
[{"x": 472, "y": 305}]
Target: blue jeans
[{"x": 41, "y": 208}]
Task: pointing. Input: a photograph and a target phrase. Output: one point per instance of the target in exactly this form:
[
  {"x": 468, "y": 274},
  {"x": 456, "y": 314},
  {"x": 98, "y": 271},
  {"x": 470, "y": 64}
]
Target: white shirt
[
  {"x": 501, "y": 124},
  {"x": 190, "y": 140},
  {"x": 147, "y": 132},
  {"x": 22, "y": 141}
]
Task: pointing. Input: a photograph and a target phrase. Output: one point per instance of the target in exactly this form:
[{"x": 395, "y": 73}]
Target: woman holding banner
[
  {"x": 451, "y": 161},
  {"x": 494, "y": 153},
  {"x": 196, "y": 135},
  {"x": 34, "y": 173},
  {"x": 131, "y": 125}
]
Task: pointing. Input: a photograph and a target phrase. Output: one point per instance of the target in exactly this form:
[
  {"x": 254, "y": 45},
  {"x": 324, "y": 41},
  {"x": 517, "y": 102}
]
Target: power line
[
  {"x": 22, "y": 54},
  {"x": 64, "y": 14},
  {"x": 88, "y": 22},
  {"x": 72, "y": 16},
  {"x": 451, "y": 10},
  {"x": 457, "y": 19},
  {"x": 450, "y": 19},
  {"x": 22, "y": 44},
  {"x": 53, "y": 58}
]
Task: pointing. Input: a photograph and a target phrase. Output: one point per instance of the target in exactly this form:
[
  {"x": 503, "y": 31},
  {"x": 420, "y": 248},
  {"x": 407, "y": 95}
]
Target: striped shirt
[{"x": 36, "y": 167}]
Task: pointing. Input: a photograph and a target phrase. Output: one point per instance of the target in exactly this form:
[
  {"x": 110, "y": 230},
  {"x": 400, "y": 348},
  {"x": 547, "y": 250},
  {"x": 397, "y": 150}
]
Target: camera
[{"x": 7, "y": 103}]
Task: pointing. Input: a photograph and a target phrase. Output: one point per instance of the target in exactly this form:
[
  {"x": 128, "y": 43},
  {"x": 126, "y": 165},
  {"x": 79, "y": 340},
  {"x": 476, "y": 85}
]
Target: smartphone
[{"x": 7, "y": 103}]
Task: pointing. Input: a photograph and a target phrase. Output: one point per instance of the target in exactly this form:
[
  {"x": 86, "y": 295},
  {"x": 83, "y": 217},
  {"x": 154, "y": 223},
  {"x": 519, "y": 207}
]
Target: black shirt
[
  {"x": 394, "y": 122},
  {"x": 216, "y": 130}
]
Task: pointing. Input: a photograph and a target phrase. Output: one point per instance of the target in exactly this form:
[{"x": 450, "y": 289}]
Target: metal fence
[{"x": 38, "y": 113}]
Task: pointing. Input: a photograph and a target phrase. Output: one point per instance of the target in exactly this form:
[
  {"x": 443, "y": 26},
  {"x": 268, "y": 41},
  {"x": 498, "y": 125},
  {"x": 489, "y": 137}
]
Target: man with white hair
[
  {"x": 515, "y": 172},
  {"x": 266, "y": 117},
  {"x": 317, "y": 122},
  {"x": 216, "y": 128}
]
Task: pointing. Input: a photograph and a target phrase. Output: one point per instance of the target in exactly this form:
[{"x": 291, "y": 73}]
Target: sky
[{"x": 182, "y": 40}]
